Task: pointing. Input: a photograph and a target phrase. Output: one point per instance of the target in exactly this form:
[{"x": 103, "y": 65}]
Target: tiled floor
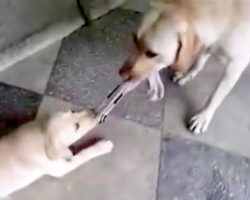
[
  {"x": 35, "y": 15},
  {"x": 194, "y": 171},
  {"x": 32, "y": 73},
  {"x": 151, "y": 159},
  {"x": 230, "y": 128},
  {"x": 16, "y": 106},
  {"x": 129, "y": 172}
]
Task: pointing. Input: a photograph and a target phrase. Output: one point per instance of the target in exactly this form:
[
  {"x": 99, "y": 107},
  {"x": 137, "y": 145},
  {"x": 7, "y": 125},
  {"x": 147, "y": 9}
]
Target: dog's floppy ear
[
  {"x": 56, "y": 151},
  {"x": 189, "y": 43},
  {"x": 189, "y": 48}
]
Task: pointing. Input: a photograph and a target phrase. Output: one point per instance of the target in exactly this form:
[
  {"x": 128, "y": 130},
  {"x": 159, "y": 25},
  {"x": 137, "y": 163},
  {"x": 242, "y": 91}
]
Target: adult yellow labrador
[{"x": 174, "y": 32}]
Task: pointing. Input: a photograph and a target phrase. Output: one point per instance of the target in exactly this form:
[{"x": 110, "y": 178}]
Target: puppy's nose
[
  {"x": 92, "y": 113},
  {"x": 125, "y": 71}
]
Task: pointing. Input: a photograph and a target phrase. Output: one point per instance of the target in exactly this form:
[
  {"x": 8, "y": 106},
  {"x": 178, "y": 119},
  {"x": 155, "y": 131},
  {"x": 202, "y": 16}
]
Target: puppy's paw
[
  {"x": 200, "y": 122},
  {"x": 181, "y": 78},
  {"x": 104, "y": 147},
  {"x": 68, "y": 155}
]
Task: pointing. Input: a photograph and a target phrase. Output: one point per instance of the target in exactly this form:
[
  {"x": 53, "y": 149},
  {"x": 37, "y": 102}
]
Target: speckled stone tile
[
  {"x": 128, "y": 173},
  {"x": 17, "y": 106},
  {"x": 193, "y": 171},
  {"x": 87, "y": 68}
]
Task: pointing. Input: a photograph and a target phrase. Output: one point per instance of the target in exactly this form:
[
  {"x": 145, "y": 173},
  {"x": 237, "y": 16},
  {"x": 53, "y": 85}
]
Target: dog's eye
[
  {"x": 135, "y": 40},
  {"x": 77, "y": 125},
  {"x": 150, "y": 54}
]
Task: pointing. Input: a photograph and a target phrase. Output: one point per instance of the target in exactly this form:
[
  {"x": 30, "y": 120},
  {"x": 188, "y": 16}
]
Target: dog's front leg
[
  {"x": 100, "y": 148},
  {"x": 181, "y": 78},
  {"x": 199, "y": 123},
  {"x": 156, "y": 88}
]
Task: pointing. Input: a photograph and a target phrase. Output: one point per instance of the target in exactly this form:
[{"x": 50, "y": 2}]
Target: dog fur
[
  {"x": 174, "y": 32},
  {"x": 42, "y": 148}
]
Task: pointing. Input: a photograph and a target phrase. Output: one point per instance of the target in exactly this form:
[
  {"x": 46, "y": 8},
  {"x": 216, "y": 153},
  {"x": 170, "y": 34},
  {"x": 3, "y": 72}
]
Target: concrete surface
[
  {"x": 230, "y": 128},
  {"x": 39, "y": 40},
  {"x": 18, "y": 19},
  {"x": 35, "y": 69},
  {"x": 129, "y": 172},
  {"x": 147, "y": 163}
]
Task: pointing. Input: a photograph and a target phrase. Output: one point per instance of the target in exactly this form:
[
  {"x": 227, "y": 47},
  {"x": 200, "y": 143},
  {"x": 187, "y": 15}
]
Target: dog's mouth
[{"x": 83, "y": 144}]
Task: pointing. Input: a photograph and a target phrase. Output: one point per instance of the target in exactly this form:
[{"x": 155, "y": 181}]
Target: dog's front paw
[
  {"x": 154, "y": 95},
  {"x": 181, "y": 78},
  {"x": 200, "y": 122},
  {"x": 104, "y": 147}
]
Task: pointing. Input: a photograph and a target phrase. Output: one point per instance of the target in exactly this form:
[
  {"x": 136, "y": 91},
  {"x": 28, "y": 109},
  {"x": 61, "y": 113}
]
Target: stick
[{"x": 118, "y": 93}]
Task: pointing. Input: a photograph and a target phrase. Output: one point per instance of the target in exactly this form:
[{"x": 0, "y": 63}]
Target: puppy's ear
[
  {"x": 55, "y": 151},
  {"x": 189, "y": 48}
]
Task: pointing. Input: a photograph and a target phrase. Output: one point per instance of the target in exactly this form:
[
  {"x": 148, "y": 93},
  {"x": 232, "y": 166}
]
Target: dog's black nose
[{"x": 124, "y": 72}]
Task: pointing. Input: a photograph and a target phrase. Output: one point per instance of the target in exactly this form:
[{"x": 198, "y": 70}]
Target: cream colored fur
[
  {"x": 42, "y": 148},
  {"x": 223, "y": 24}
]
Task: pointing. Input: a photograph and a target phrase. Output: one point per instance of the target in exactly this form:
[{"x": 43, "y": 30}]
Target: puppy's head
[
  {"x": 165, "y": 38},
  {"x": 65, "y": 128}
]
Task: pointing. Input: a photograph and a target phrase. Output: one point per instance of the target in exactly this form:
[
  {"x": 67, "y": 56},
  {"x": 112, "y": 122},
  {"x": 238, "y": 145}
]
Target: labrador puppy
[
  {"x": 181, "y": 33},
  {"x": 42, "y": 148}
]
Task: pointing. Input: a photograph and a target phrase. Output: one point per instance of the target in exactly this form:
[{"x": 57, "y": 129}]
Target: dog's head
[
  {"x": 65, "y": 128},
  {"x": 165, "y": 38}
]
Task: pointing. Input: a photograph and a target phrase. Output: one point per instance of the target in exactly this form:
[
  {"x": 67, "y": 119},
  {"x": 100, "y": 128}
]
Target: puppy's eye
[
  {"x": 150, "y": 54},
  {"x": 77, "y": 125}
]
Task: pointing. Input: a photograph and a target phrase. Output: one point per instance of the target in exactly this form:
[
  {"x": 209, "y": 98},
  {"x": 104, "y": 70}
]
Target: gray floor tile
[
  {"x": 33, "y": 72},
  {"x": 229, "y": 129},
  {"x": 193, "y": 171},
  {"x": 137, "y": 5},
  {"x": 88, "y": 63},
  {"x": 49, "y": 105},
  {"x": 17, "y": 106},
  {"x": 129, "y": 172}
]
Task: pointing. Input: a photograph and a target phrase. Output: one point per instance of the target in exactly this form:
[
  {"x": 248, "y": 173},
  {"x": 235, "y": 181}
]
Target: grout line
[
  {"x": 83, "y": 12},
  {"x": 52, "y": 68},
  {"x": 160, "y": 151},
  {"x": 158, "y": 170}
]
